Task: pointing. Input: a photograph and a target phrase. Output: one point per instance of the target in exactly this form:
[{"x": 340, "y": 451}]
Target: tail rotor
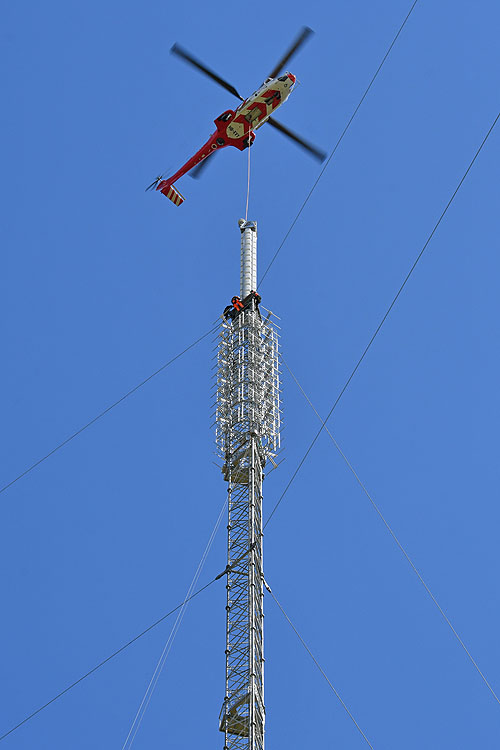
[{"x": 154, "y": 184}]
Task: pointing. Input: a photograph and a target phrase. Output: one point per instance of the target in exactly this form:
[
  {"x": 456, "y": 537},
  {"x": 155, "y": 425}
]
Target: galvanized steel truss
[{"x": 247, "y": 437}]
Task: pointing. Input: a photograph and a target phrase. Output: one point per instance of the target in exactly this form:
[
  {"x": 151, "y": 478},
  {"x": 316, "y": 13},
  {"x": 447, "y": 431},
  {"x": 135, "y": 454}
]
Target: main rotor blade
[
  {"x": 316, "y": 152},
  {"x": 197, "y": 171},
  {"x": 306, "y": 31},
  {"x": 180, "y": 52}
]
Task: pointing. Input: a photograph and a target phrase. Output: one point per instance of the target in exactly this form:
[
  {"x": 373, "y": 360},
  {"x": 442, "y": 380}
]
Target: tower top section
[{"x": 248, "y": 273}]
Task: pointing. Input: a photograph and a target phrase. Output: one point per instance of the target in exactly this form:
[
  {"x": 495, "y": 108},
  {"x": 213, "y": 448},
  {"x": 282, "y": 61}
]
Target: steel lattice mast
[{"x": 247, "y": 436}]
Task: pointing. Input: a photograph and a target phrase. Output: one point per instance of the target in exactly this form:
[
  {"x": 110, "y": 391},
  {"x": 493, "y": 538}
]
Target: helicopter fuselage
[{"x": 236, "y": 127}]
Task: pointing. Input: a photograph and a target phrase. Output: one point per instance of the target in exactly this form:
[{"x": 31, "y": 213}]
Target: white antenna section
[{"x": 248, "y": 274}]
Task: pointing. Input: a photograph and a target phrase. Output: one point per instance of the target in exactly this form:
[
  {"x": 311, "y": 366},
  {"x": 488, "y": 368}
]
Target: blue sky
[{"x": 103, "y": 283}]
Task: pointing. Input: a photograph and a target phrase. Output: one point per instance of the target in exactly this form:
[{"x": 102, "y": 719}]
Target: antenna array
[{"x": 247, "y": 437}]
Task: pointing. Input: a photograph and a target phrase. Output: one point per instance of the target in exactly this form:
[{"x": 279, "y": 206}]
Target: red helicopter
[{"x": 236, "y": 127}]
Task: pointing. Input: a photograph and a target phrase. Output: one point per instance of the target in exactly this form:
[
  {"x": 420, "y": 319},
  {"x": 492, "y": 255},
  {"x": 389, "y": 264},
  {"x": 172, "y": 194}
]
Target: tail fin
[{"x": 171, "y": 193}]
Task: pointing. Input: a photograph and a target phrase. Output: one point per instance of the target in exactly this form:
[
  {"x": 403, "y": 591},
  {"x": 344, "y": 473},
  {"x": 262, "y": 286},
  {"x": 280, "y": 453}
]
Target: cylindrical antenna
[{"x": 248, "y": 274}]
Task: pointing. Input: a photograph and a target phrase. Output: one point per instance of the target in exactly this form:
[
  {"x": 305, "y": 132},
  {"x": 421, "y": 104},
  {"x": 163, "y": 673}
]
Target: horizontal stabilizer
[{"x": 171, "y": 193}]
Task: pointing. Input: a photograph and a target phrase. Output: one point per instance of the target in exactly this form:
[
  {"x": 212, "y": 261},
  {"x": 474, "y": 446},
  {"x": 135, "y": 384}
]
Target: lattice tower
[{"x": 247, "y": 437}]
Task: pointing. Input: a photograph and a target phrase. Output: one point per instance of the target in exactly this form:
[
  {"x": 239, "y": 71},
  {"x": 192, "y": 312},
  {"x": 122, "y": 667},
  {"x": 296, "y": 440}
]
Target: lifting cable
[
  {"x": 168, "y": 645},
  {"x": 268, "y": 588},
  {"x": 248, "y": 169},
  {"x": 338, "y": 142},
  {"x": 386, "y": 315},
  {"x": 395, "y": 538},
  {"x": 107, "y": 410}
]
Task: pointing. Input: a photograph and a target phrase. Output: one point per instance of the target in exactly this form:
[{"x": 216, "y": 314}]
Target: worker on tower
[
  {"x": 255, "y": 296},
  {"x": 237, "y": 305},
  {"x": 232, "y": 310}
]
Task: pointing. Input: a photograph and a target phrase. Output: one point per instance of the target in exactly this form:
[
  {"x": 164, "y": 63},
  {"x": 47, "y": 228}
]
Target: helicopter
[{"x": 236, "y": 127}]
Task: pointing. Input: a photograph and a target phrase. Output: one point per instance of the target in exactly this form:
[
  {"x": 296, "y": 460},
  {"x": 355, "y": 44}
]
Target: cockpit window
[{"x": 283, "y": 78}]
